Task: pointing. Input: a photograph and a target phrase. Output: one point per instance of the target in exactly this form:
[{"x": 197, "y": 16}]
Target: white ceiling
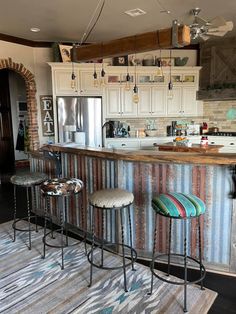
[{"x": 66, "y": 20}]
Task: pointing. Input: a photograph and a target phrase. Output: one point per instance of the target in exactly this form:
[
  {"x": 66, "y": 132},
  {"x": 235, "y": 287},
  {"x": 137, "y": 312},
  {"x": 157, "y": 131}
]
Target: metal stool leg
[
  {"x": 62, "y": 228},
  {"x": 83, "y": 226},
  {"x": 185, "y": 266},
  {"x": 92, "y": 247},
  {"x": 123, "y": 249},
  {"x": 169, "y": 246},
  {"x": 65, "y": 223},
  {"x": 131, "y": 241},
  {"x": 34, "y": 202},
  {"x": 200, "y": 250},
  {"x": 153, "y": 254},
  {"x": 102, "y": 245},
  {"x": 45, "y": 224},
  {"x": 14, "y": 235},
  {"x": 28, "y": 212}
]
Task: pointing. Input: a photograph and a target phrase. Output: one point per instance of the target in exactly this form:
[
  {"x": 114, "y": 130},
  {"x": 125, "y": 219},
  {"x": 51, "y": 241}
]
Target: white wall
[{"x": 35, "y": 60}]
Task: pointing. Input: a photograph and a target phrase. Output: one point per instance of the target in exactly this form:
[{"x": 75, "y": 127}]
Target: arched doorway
[
  {"x": 7, "y": 145},
  {"x": 30, "y": 96}
]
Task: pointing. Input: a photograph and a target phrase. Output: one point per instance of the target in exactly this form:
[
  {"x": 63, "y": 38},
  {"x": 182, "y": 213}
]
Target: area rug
[{"x": 30, "y": 284}]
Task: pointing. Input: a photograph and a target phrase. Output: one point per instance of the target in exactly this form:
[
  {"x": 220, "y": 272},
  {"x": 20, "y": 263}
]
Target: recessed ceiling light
[
  {"x": 135, "y": 12},
  {"x": 35, "y": 29}
]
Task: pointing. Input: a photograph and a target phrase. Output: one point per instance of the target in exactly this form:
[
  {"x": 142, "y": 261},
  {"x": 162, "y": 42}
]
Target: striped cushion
[{"x": 178, "y": 205}]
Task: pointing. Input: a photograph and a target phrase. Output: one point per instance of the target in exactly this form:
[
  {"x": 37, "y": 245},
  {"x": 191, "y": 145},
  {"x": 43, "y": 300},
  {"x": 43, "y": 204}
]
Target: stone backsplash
[{"x": 214, "y": 113}]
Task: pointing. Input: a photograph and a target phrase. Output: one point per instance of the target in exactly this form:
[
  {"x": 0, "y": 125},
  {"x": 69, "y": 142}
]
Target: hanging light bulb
[
  {"x": 170, "y": 84},
  {"x": 103, "y": 79},
  {"x": 170, "y": 90},
  {"x": 135, "y": 95},
  {"x": 158, "y": 71},
  {"x": 95, "y": 77},
  {"x": 127, "y": 82},
  {"x": 73, "y": 78}
]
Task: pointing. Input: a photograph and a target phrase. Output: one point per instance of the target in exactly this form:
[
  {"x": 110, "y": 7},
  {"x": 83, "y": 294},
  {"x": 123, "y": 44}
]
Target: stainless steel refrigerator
[{"x": 80, "y": 116}]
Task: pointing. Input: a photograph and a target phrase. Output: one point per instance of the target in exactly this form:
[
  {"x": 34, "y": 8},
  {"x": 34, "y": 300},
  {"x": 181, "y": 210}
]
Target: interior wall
[{"x": 35, "y": 60}]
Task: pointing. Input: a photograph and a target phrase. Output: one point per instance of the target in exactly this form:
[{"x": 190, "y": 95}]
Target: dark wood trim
[
  {"x": 25, "y": 42},
  {"x": 159, "y": 39}
]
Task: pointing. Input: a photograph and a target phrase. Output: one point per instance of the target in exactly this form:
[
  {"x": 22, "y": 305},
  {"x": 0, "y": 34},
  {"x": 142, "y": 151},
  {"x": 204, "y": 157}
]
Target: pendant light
[
  {"x": 103, "y": 73},
  {"x": 135, "y": 89},
  {"x": 127, "y": 80},
  {"x": 73, "y": 77},
  {"x": 158, "y": 63},
  {"x": 95, "y": 77},
  {"x": 170, "y": 84},
  {"x": 103, "y": 79}
]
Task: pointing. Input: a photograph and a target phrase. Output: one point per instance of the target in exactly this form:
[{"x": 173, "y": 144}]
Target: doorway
[{"x": 7, "y": 156}]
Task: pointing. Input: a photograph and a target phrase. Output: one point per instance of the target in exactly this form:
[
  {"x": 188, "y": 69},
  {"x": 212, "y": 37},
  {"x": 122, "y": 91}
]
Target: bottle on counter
[{"x": 204, "y": 141}]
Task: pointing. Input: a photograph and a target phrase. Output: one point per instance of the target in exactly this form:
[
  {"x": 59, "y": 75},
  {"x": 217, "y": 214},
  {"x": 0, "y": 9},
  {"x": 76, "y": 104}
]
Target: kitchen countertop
[
  {"x": 194, "y": 148},
  {"x": 147, "y": 155}
]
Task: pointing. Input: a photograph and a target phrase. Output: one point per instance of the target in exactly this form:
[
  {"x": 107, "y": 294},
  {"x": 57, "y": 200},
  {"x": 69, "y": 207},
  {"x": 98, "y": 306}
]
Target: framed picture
[
  {"x": 122, "y": 60},
  {"x": 65, "y": 53},
  {"x": 189, "y": 78},
  {"x": 165, "y": 62}
]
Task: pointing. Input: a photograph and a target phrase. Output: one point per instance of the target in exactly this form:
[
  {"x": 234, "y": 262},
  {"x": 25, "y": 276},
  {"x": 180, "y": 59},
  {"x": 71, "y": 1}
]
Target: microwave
[{"x": 22, "y": 107}]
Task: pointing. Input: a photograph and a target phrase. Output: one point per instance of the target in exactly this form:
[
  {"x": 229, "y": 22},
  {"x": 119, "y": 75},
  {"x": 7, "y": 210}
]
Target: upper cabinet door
[
  {"x": 189, "y": 103},
  {"x": 144, "y": 104},
  {"x": 174, "y": 103},
  {"x": 159, "y": 102},
  {"x": 113, "y": 102},
  {"x": 62, "y": 80},
  {"x": 129, "y": 108},
  {"x": 87, "y": 84}
]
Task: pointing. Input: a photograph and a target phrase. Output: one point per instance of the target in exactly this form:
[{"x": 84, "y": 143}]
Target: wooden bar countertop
[
  {"x": 151, "y": 156},
  {"x": 197, "y": 148}
]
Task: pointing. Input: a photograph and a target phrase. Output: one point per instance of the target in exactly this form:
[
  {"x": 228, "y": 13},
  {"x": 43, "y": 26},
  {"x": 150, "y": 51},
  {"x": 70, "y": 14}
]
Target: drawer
[{"x": 123, "y": 144}]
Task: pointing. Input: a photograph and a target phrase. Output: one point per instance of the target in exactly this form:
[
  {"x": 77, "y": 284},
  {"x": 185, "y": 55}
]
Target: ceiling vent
[{"x": 135, "y": 12}]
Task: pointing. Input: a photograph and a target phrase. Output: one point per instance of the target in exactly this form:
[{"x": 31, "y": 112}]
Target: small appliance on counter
[{"x": 116, "y": 129}]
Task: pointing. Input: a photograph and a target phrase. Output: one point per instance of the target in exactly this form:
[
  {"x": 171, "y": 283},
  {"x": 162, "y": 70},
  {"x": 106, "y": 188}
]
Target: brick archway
[{"x": 31, "y": 98}]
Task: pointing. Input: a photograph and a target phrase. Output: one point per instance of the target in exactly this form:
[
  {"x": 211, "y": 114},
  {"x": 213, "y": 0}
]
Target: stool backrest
[{"x": 56, "y": 158}]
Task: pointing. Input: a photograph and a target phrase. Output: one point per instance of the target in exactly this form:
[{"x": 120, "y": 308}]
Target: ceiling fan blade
[
  {"x": 204, "y": 37},
  {"x": 217, "y": 33},
  {"x": 199, "y": 20},
  {"x": 227, "y": 27},
  {"x": 217, "y": 21}
]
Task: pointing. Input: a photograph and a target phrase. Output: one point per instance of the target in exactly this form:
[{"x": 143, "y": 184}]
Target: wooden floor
[{"x": 30, "y": 284}]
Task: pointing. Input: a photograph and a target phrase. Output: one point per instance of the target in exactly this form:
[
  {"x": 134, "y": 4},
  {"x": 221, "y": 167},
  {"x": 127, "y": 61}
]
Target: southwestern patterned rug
[{"x": 30, "y": 284}]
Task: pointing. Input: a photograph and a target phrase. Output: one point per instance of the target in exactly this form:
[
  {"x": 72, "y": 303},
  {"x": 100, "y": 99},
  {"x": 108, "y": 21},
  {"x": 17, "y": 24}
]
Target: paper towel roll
[{"x": 80, "y": 138}]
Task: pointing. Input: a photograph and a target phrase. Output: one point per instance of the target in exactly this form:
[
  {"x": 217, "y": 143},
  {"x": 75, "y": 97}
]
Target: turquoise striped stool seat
[
  {"x": 182, "y": 207},
  {"x": 178, "y": 205}
]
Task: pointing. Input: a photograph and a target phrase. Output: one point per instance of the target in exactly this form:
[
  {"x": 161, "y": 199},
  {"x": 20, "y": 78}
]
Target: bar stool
[
  {"x": 183, "y": 207},
  {"x": 28, "y": 181},
  {"x": 59, "y": 189},
  {"x": 104, "y": 201}
]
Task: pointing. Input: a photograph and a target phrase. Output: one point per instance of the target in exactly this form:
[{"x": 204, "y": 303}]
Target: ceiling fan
[{"x": 203, "y": 29}]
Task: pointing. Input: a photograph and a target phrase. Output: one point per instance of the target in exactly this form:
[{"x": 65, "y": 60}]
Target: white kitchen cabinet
[
  {"x": 144, "y": 104},
  {"x": 152, "y": 101},
  {"x": 62, "y": 82},
  {"x": 86, "y": 84},
  {"x": 119, "y": 102},
  {"x": 123, "y": 143},
  {"x": 159, "y": 101},
  {"x": 183, "y": 102}
]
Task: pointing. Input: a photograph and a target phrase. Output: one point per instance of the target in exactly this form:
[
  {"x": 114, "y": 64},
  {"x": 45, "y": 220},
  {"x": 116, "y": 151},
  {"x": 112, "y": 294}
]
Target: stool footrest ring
[
  {"x": 25, "y": 219},
  {"x": 182, "y": 282},
  {"x": 132, "y": 250},
  {"x": 59, "y": 246}
]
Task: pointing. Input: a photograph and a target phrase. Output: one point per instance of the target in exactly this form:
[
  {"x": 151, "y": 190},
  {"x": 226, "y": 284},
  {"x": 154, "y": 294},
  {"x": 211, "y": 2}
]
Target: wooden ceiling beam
[{"x": 159, "y": 39}]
